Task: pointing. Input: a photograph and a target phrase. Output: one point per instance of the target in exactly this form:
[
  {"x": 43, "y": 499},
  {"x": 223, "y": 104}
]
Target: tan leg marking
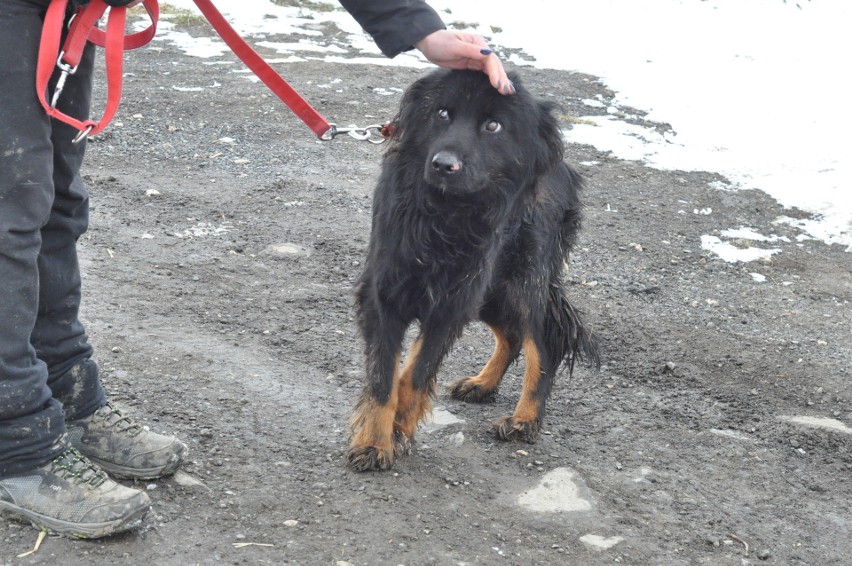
[
  {"x": 372, "y": 429},
  {"x": 414, "y": 404},
  {"x": 523, "y": 424}
]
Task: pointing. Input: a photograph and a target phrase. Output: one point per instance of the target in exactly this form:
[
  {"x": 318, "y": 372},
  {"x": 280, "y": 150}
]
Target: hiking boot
[
  {"x": 72, "y": 496},
  {"x": 124, "y": 448}
]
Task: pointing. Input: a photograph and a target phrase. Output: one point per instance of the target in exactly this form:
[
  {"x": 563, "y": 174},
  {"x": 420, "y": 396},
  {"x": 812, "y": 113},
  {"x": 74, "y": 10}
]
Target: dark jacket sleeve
[{"x": 395, "y": 25}]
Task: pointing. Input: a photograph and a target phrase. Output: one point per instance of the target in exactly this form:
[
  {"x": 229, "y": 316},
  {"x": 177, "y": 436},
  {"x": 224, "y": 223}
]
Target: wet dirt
[{"x": 218, "y": 280}]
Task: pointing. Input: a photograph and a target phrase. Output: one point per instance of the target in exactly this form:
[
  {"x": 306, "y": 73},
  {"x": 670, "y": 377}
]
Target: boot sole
[
  {"x": 76, "y": 530},
  {"x": 124, "y": 472}
]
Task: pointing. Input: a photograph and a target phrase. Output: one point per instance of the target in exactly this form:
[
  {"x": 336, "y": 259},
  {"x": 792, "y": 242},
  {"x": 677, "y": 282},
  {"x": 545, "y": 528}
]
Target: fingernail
[
  {"x": 486, "y": 51},
  {"x": 512, "y": 87}
]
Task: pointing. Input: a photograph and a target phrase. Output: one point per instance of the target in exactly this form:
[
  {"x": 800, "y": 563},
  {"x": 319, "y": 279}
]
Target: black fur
[{"x": 474, "y": 215}]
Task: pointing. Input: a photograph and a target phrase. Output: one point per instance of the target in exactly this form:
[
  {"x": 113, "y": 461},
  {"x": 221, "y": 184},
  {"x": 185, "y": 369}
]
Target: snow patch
[{"x": 732, "y": 254}]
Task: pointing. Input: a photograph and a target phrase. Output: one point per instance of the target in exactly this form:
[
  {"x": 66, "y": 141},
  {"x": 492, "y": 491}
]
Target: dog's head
[{"x": 474, "y": 142}]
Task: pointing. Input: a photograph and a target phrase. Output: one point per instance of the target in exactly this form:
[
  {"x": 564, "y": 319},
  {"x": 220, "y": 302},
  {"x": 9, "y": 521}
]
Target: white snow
[{"x": 754, "y": 91}]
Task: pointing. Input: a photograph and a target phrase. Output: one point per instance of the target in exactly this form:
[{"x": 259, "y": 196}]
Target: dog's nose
[{"x": 446, "y": 162}]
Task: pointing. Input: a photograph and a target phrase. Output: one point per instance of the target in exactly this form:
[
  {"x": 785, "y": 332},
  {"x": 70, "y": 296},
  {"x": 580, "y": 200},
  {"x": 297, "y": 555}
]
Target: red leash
[
  {"x": 264, "y": 72},
  {"x": 83, "y": 28}
]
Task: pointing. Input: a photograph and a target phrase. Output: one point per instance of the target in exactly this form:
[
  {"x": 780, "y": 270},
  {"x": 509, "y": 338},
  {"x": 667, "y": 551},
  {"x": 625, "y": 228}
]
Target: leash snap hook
[
  {"x": 67, "y": 70},
  {"x": 360, "y": 134}
]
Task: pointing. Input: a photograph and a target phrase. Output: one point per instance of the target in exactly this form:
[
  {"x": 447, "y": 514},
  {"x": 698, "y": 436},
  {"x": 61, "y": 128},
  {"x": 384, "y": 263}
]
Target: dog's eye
[
  {"x": 444, "y": 114},
  {"x": 493, "y": 126}
]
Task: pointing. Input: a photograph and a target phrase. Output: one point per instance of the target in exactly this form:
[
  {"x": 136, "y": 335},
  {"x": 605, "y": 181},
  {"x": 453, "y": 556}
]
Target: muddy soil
[{"x": 218, "y": 274}]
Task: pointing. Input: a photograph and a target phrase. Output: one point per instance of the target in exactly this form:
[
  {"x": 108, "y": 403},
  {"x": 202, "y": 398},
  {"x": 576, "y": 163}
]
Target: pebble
[{"x": 764, "y": 554}]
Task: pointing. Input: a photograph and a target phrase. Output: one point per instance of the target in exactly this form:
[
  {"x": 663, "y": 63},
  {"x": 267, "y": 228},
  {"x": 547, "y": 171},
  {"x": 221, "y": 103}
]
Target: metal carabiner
[
  {"x": 67, "y": 70},
  {"x": 82, "y": 135}
]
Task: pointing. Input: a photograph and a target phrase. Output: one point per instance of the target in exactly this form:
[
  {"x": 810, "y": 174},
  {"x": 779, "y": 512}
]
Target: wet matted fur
[{"x": 474, "y": 215}]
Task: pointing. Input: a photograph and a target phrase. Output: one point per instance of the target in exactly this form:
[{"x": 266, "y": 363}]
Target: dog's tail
[{"x": 567, "y": 337}]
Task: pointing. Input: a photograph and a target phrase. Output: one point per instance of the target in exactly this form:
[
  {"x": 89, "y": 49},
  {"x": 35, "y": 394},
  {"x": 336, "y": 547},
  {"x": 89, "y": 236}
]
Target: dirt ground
[{"x": 221, "y": 309}]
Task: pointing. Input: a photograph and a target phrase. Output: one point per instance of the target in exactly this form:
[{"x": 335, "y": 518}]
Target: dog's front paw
[
  {"x": 366, "y": 458},
  {"x": 471, "y": 391},
  {"x": 509, "y": 428}
]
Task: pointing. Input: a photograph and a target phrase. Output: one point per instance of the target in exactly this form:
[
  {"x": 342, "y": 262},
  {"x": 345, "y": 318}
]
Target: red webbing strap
[
  {"x": 313, "y": 119},
  {"x": 81, "y": 30},
  {"x": 138, "y": 39}
]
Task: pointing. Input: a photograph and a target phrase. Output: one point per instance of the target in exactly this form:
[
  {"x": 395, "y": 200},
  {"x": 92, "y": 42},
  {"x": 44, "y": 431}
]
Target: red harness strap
[{"x": 83, "y": 28}]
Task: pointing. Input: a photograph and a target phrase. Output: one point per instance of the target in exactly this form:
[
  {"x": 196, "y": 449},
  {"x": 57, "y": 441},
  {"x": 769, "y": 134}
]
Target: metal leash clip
[
  {"x": 67, "y": 70},
  {"x": 360, "y": 134}
]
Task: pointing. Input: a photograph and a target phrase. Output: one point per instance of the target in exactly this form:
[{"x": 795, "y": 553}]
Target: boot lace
[
  {"x": 72, "y": 464},
  {"x": 114, "y": 418}
]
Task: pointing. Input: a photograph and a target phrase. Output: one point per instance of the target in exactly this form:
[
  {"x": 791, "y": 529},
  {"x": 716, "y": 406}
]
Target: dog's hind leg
[
  {"x": 371, "y": 444},
  {"x": 482, "y": 388},
  {"x": 561, "y": 337},
  {"x": 525, "y": 422}
]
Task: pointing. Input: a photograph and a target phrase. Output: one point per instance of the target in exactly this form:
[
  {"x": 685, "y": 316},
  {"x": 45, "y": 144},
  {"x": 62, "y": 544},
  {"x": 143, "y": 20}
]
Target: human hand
[{"x": 459, "y": 50}]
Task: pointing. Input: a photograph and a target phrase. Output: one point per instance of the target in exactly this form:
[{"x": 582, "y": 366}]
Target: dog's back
[{"x": 473, "y": 217}]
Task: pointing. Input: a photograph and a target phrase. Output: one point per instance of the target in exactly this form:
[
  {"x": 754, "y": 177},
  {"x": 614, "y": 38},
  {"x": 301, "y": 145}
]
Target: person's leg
[
  {"x": 42, "y": 479},
  {"x": 59, "y": 337},
  {"x": 98, "y": 430},
  {"x": 31, "y": 420}
]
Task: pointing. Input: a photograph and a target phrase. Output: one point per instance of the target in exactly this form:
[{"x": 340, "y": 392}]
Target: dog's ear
[{"x": 552, "y": 150}]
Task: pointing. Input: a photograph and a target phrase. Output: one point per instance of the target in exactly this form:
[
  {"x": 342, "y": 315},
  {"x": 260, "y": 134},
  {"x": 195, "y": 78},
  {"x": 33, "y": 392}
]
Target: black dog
[{"x": 473, "y": 218}]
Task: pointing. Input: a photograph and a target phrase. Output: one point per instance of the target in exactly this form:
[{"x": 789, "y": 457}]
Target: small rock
[
  {"x": 764, "y": 554},
  {"x": 457, "y": 439},
  {"x": 286, "y": 249},
  {"x": 291, "y": 523},
  {"x": 599, "y": 543}
]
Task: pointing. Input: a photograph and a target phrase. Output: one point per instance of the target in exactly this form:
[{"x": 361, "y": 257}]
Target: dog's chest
[{"x": 435, "y": 272}]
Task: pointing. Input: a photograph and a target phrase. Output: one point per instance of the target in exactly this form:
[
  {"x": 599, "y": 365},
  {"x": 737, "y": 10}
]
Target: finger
[
  {"x": 484, "y": 59},
  {"x": 493, "y": 67}
]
